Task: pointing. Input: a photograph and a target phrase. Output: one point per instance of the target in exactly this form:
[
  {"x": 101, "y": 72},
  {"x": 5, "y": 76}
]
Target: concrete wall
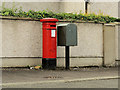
[
  {"x": 119, "y": 9},
  {"x": 90, "y": 41},
  {"x": 0, "y": 37},
  {"x": 22, "y": 44},
  {"x": 74, "y": 7},
  {"x": 50, "y": 6},
  {"x": 21, "y": 38},
  {"x": 118, "y": 41},
  {"x": 118, "y": 44},
  {"x": 109, "y": 45},
  {"x": 0, "y": 42},
  {"x": 107, "y": 8},
  {"x": 53, "y": 6}
]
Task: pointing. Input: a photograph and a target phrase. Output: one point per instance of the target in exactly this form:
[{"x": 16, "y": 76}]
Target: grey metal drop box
[{"x": 67, "y": 34}]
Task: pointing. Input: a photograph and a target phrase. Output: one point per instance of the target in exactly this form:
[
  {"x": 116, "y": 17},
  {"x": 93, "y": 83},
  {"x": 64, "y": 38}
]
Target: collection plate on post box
[{"x": 52, "y": 33}]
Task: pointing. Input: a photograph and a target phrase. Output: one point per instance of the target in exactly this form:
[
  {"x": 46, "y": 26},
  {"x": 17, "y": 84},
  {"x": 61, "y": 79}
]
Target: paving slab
[{"x": 17, "y": 75}]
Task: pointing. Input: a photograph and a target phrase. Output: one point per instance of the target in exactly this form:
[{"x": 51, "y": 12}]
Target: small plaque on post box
[
  {"x": 67, "y": 34},
  {"x": 52, "y": 33}
]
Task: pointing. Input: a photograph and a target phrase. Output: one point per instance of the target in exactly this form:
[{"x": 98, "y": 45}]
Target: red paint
[{"x": 49, "y": 43}]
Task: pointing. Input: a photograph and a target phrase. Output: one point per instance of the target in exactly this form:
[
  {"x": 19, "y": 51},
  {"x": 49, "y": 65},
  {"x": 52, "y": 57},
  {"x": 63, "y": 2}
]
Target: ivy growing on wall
[{"x": 61, "y": 16}]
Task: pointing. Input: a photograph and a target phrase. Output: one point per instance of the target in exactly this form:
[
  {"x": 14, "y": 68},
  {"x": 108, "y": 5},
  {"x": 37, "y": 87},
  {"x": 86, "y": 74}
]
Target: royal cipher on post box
[
  {"x": 67, "y": 34},
  {"x": 49, "y": 40}
]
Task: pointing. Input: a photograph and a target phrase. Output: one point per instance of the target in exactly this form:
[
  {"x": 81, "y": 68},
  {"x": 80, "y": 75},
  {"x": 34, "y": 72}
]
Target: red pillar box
[{"x": 49, "y": 43}]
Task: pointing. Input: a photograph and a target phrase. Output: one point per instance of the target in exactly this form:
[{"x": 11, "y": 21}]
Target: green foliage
[{"x": 61, "y": 16}]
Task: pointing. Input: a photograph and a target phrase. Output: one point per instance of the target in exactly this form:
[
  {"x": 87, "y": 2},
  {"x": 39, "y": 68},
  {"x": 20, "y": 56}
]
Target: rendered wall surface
[
  {"x": 109, "y": 45},
  {"x": 49, "y": 6},
  {"x": 26, "y": 6},
  {"x": 90, "y": 41},
  {"x": 74, "y": 62},
  {"x": 119, "y": 9},
  {"x": 74, "y": 7},
  {"x": 119, "y": 42},
  {"x": 107, "y": 8},
  {"x": 0, "y": 45},
  {"x": 0, "y": 38},
  {"x": 22, "y": 40},
  {"x": 116, "y": 41}
]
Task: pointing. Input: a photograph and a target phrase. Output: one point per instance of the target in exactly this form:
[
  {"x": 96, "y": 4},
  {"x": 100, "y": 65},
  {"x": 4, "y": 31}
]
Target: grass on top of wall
[{"x": 61, "y": 16}]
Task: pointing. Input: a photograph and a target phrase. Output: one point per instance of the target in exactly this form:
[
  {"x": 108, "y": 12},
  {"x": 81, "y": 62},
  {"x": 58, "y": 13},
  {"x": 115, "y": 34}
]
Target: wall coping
[
  {"x": 117, "y": 23},
  {"x": 76, "y": 21},
  {"x": 30, "y": 19},
  {"x": 110, "y": 24}
]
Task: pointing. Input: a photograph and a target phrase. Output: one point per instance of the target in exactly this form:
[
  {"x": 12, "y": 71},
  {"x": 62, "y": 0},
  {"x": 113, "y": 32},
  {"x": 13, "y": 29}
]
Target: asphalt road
[{"x": 111, "y": 83}]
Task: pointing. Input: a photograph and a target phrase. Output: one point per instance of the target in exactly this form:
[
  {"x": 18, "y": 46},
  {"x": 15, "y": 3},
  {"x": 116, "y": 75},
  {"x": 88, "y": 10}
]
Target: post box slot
[
  {"x": 52, "y": 25},
  {"x": 50, "y": 29}
]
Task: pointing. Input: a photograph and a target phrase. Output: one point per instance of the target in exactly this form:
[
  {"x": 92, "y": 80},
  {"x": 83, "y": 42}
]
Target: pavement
[{"x": 23, "y": 77}]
